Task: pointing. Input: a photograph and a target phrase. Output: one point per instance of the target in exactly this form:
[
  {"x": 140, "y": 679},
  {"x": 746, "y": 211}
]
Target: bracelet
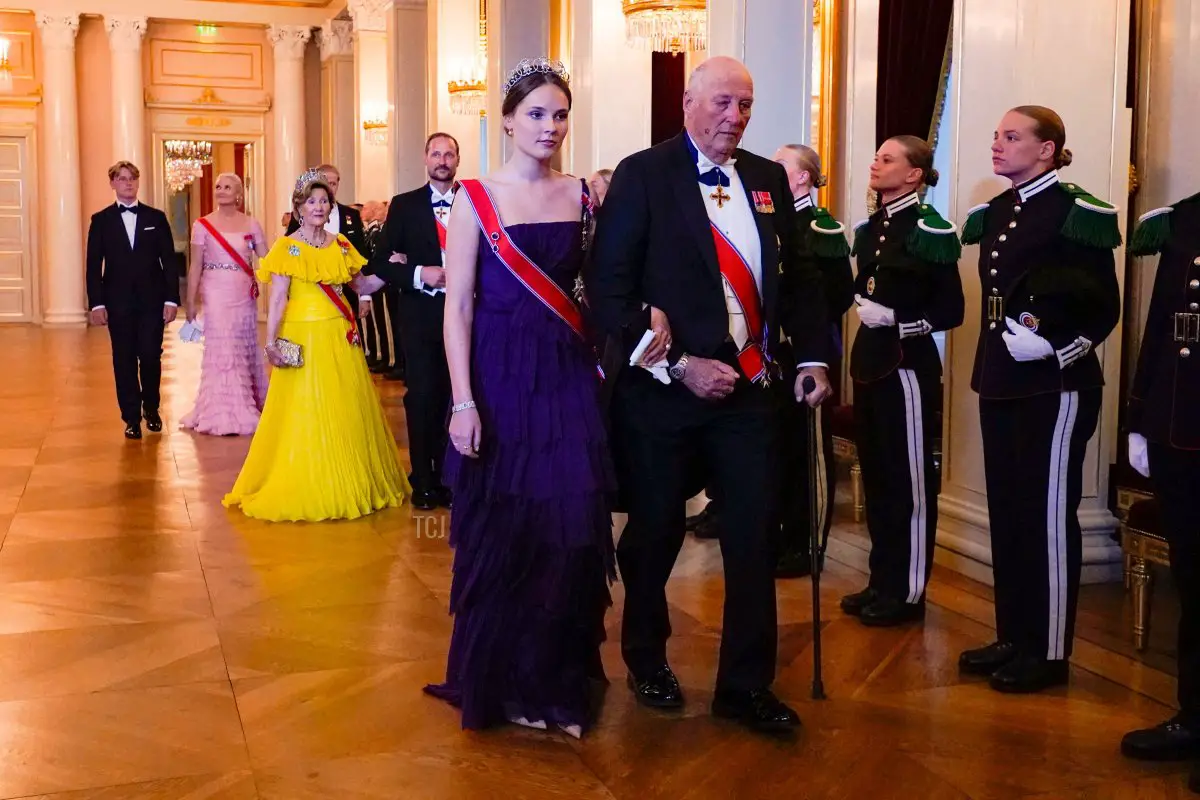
[{"x": 462, "y": 406}]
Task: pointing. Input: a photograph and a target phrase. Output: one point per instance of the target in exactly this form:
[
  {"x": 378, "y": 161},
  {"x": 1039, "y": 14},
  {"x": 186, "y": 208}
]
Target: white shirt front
[
  {"x": 334, "y": 223},
  {"x": 733, "y": 216},
  {"x": 443, "y": 216}
]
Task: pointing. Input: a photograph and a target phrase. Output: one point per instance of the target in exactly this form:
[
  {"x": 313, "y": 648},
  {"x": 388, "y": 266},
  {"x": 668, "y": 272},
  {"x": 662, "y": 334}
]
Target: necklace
[{"x": 306, "y": 240}]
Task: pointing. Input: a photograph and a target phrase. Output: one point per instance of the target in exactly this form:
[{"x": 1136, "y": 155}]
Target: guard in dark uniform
[
  {"x": 1050, "y": 297},
  {"x": 825, "y": 240},
  {"x": 907, "y": 287},
  {"x": 1164, "y": 445}
]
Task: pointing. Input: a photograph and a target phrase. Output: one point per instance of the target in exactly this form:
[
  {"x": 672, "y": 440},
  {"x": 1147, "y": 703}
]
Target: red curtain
[
  {"x": 206, "y": 190},
  {"x": 239, "y": 168},
  {"x": 912, "y": 46},
  {"x": 667, "y": 82}
]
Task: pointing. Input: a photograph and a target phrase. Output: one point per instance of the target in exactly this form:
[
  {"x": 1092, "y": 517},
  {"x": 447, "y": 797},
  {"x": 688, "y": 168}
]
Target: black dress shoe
[
  {"x": 394, "y": 375},
  {"x": 708, "y": 528},
  {"x": 443, "y": 496},
  {"x": 425, "y": 501},
  {"x": 1029, "y": 674},
  {"x": 853, "y": 604},
  {"x": 1177, "y": 739},
  {"x": 793, "y": 564},
  {"x": 986, "y": 660},
  {"x": 133, "y": 430},
  {"x": 759, "y": 710},
  {"x": 888, "y": 612},
  {"x": 659, "y": 689},
  {"x": 153, "y": 422},
  {"x": 691, "y": 522},
  {"x": 379, "y": 368}
]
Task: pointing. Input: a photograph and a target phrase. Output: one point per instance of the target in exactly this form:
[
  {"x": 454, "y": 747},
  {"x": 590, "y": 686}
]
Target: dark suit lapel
[
  {"x": 691, "y": 204},
  {"x": 754, "y": 181},
  {"x": 429, "y": 220},
  {"x": 119, "y": 225}
]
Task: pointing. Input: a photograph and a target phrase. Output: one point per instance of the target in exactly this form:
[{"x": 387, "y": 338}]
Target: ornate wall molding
[
  {"x": 125, "y": 33},
  {"x": 58, "y": 30},
  {"x": 289, "y": 41},
  {"x": 337, "y": 38},
  {"x": 369, "y": 15}
]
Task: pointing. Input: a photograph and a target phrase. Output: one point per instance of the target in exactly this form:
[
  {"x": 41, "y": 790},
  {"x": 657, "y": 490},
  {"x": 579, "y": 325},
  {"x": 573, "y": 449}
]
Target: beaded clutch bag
[{"x": 290, "y": 353}]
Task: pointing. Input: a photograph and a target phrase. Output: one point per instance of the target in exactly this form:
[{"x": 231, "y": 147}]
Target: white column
[
  {"x": 517, "y": 29},
  {"x": 371, "y": 101},
  {"x": 62, "y": 254},
  {"x": 1003, "y": 59},
  {"x": 128, "y": 92},
  {"x": 773, "y": 38},
  {"x": 289, "y": 142},
  {"x": 610, "y": 80},
  {"x": 411, "y": 92},
  {"x": 339, "y": 135}
]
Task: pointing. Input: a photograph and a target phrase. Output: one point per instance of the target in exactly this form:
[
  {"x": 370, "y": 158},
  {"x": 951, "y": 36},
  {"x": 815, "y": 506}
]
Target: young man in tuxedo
[
  {"x": 133, "y": 288},
  {"x": 346, "y": 220},
  {"x": 699, "y": 244},
  {"x": 410, "y": 255}
]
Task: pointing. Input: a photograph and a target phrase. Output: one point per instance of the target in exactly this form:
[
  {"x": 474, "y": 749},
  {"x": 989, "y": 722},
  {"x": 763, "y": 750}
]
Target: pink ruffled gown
[{"x": 233, "y": 379}]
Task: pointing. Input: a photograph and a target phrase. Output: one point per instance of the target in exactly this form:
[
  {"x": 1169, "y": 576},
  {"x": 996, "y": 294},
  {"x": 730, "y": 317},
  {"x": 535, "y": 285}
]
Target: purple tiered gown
[{"x": 531, "y": 526}]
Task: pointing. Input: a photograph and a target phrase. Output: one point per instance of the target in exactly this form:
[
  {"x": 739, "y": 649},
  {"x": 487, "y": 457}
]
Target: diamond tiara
[
  {"x": 309, "y": 176},
  {"x": 532, "y": 66}
]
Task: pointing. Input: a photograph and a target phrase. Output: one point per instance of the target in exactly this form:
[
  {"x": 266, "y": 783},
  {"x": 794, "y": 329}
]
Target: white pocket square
[{"x": 148, "y": 229}]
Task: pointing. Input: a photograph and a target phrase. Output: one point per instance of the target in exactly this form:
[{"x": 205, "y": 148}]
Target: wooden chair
[{"x": 1143, "y": 544}]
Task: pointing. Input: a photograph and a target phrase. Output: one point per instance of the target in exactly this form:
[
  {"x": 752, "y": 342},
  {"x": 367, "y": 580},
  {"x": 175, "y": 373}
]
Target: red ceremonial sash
[
  {"x": 237, "y": 258},
  {"x": 340, "y": 302},
  {"x": 736, "y": 272},
  {"x": 441, "y": 231},
  {"x": 519, "y": 264}
]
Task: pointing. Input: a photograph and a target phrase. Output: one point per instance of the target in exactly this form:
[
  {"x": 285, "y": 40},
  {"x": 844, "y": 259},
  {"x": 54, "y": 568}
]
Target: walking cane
[{"x": 815, "y": 550}]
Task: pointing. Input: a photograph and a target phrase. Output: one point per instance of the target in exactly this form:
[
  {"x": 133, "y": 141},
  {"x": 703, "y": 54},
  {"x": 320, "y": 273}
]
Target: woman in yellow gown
[{"x": 323, "y": 449}]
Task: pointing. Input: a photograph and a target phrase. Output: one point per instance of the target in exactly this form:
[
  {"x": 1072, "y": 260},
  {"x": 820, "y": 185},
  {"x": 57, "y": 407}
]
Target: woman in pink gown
[{"x": 233, "y": 380}]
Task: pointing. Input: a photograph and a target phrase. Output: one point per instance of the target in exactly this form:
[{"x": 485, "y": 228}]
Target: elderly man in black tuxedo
[
  {"x": 699, "y": 244},
  {"x": 410, "y": 254},
  {"x": 133, "y": 288}
]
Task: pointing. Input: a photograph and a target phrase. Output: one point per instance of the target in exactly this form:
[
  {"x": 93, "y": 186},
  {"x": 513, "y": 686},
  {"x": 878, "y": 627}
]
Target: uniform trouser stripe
[
  {"x": 1056, "y": 523},
  {"x": 915, "y": 434}
]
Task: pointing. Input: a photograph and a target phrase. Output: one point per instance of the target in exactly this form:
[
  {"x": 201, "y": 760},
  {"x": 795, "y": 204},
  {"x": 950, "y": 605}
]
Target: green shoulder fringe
[
  {"x": 861, "y": 230},
  {"x": 934, "y": 238},
  {"x": 972, "y": 230},
  {"x": 1152, "y": 231},
  {"x": 1091, "y": 221},
  {"x": 829, "y": 239}
]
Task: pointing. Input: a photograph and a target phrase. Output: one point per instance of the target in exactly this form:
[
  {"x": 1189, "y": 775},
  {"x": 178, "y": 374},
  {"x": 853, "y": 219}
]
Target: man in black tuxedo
[
  {"x": 663, "y": 264},
  {"x": 133, "y": 288},
  {"x": 346, "y": 220},
  {"x": 410, "y": 255}
]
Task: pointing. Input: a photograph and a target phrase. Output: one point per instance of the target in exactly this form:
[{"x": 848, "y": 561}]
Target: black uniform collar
[
  {"x": 900, "y": 203},
  {"x": 804, "y": 201},
  {"x": 1037, "y": 185}
]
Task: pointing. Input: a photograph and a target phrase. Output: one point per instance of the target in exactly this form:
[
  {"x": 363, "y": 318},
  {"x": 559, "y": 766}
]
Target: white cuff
[
  {"x": 418, "y": 284},
  {"x": 812, "y": 364},
  {"x": 1073, "y": 352},
  {"x": 919, "y": 328},
  {"x": 169, "y": 303},
  {"x": 97, "y": 308}
]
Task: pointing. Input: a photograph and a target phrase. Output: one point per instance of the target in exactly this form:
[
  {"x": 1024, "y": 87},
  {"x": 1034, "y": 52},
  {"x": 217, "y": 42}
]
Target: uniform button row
[{"x": 993, "y": 272}]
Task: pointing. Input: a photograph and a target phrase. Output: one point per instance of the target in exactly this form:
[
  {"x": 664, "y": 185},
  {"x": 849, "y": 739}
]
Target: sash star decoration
[{"x": 533, "y": 66}]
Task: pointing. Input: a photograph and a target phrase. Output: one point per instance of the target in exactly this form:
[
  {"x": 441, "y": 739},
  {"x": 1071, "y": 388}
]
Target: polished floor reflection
[{"x": 155, "y": 645}]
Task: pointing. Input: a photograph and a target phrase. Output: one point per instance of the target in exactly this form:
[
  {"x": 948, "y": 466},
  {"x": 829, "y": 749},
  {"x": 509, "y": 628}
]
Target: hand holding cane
[{"x": 808, "y": 385}]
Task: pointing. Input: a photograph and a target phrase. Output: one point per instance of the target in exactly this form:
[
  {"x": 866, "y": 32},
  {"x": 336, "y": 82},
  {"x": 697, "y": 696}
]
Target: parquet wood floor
[{"x": 154, "y": 645}]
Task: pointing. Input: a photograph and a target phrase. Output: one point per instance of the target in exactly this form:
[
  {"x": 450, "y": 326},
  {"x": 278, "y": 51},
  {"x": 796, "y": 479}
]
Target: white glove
[
  {"x": 1023, "y": 344},
  {"x": 872, "y": 314},
  {"x": 1139, "y": 458}
]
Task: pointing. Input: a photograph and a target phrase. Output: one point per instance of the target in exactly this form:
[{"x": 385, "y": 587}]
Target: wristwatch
[{"x": 679, "y": 368}]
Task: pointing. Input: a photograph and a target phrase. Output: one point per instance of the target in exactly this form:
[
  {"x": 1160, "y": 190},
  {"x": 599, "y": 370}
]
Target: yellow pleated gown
[{"x": 323, "y": 449}]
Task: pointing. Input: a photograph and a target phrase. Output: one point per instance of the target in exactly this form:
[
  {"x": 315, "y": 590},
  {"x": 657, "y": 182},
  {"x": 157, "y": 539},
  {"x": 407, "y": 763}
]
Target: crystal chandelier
[
  {"x": 375, "y": 124},
  {"x": 185, "y": 162},
  {"x": 666, "y": 26},
  {"x": 6, "y": 73},
  {"x": 468, "y": 93}
]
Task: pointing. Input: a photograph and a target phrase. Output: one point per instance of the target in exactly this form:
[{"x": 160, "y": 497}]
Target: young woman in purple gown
[{"x": 528, "y": 461}]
